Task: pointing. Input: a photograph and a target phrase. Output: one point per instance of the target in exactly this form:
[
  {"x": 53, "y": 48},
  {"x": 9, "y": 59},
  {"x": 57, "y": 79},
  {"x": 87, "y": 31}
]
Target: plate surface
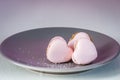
[{"x": 28, "y": 49}]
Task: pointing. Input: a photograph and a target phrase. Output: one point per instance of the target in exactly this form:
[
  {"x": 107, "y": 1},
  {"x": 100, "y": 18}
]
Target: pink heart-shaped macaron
[
  {"x": 85, "y": 52},
  {"x": 58, "y": 50},
  {"x": 84, "y": 49},
  {"x": 75, "y": 37}
]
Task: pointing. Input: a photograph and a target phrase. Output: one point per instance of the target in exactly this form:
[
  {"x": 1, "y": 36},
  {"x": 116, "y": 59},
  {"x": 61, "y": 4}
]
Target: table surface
[{"x": 97, "y": 15}]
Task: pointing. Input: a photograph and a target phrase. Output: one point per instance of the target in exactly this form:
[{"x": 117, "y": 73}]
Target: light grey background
[{"x": 97, "y": 15}]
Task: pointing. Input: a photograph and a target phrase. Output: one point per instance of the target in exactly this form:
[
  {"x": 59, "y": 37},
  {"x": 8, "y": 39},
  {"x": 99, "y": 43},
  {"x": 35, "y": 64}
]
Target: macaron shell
[
  {"x": 69, "y": 54},
  {"x": 76, "y": 37},
  {"x": 56, "y": 38},
  {"x": 82, "y": 35},
  {"x": 71, "y": 43},
  {"x": 85, "y": 52}
]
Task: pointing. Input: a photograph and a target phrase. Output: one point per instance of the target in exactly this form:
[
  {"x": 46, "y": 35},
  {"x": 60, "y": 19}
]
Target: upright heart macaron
[{"x": 58, "y": 50}]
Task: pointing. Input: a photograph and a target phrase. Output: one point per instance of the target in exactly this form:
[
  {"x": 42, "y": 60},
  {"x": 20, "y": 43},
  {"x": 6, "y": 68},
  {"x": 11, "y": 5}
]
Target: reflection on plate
[{"x": 28, "y": 49}]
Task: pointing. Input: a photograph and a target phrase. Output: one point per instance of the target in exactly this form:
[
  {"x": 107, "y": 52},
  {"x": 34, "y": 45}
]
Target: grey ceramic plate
[{"x": 28, "y": 49}]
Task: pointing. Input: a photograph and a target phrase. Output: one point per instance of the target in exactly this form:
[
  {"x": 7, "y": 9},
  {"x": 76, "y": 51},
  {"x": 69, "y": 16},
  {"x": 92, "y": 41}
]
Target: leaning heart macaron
[
  {"x": 85, "y": 52},
  {"x": 84, "y": 49}
]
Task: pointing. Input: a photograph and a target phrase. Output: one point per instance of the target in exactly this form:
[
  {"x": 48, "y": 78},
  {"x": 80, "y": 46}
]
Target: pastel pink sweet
[
  {"x": 58, "y": 50},
  {"x": 77, "y": 37},
  {"x": 85, "y": 52}
]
